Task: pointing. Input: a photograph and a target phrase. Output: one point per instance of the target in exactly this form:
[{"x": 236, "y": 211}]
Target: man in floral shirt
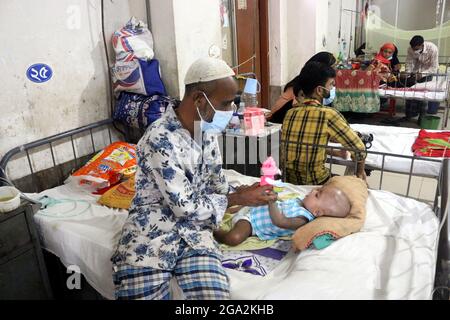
[{"x": 182, "y": 195}]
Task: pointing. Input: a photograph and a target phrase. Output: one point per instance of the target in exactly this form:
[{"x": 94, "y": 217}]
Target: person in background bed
[
  {"x": 387, "y": 64},
  {"x": 182, "y": 195},
  {"x": 282, "y": 218},
  {"x": 384, "y": 63},
  {"x": 288, "y": 99},
  {"x": 422, "y": 59},
  {"x": 314, "y": 124}
]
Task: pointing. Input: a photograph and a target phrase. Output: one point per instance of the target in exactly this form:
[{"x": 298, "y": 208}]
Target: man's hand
[
  {"x": 252, "y": 196},
  {"x": 245, "y": 187},
  {"x": 338, "y": 153}
]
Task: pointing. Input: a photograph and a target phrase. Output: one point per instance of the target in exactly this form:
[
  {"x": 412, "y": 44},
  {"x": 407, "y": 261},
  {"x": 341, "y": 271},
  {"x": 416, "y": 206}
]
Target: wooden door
[{"x": 252, "y": 43}]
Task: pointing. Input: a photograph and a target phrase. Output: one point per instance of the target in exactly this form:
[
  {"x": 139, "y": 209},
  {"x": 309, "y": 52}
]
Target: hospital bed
[
  {"x": 399, "y": 254},
  {"x": 398, "y": 141},
  {"x": 436, "y": 89}
]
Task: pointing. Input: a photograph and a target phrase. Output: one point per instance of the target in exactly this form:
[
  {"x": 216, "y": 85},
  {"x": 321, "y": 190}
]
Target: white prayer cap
[{"x": 207, "y": 69}]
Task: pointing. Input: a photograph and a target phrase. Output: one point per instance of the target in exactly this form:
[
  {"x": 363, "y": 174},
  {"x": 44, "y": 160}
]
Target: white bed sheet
[
  {"x": 86, "y": 240},
  {"x": 420, "y": 95},
  {"x": 393, "y": 257},
  {"x": 399, "y": 141}
]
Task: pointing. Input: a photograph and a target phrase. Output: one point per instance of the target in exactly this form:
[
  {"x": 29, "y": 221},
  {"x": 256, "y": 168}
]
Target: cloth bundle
[
  {"x": 136, "y": 77},
  {"x": 356, "y": 191},
  {"x": 432, "y": 144}
]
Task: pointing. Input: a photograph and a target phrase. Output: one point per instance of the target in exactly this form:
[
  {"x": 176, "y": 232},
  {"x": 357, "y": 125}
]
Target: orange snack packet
[{"x": 108, "y": 166}]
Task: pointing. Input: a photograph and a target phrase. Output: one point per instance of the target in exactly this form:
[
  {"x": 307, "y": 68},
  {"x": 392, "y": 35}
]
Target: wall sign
[
  {"x": 242, "y": 5},
  {"x": 39, "y": 72}
]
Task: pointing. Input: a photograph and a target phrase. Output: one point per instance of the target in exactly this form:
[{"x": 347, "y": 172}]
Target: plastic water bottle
[
  {"x": 250, "y": 94},
  {"x": 250, "y": 100}
]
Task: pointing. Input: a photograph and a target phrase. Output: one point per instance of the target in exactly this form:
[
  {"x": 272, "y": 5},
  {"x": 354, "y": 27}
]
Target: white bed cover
[
  {"x": 399, "y": 141},
  {"x": 393, "y": 257},
  {"x": 434, "y": 90},
  {"x": 438, "y": 96}
]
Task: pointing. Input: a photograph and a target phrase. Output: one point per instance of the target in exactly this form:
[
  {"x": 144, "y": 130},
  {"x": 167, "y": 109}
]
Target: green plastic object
[
  {"x": 430, "y": 122},
  {"x": 323, "y": 241}
]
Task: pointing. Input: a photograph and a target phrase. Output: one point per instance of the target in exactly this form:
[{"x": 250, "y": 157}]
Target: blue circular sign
[{"x": 39, "y": 72}]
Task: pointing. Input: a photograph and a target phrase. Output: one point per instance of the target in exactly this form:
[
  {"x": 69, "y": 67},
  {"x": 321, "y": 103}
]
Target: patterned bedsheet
[{"x": 258, "y": 262}]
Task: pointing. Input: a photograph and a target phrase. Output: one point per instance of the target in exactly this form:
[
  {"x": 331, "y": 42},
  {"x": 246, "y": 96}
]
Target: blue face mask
[
  {"x": 219, "y": 122},
  {"x": 329, "y": 100}
]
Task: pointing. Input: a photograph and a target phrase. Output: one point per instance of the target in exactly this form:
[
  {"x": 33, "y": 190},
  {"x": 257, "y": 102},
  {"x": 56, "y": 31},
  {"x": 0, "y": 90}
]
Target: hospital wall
[
  {"x": 300, "y": 28},
  {"x": 67, "y": 36}
]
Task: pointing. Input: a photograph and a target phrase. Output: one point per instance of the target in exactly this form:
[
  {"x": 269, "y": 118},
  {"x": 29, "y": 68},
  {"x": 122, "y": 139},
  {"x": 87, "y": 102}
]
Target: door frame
[{"x": 264, "y": 52}]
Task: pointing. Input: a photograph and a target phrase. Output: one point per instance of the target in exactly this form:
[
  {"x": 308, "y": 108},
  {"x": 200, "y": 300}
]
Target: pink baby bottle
[{"x": 269, "y": 170}]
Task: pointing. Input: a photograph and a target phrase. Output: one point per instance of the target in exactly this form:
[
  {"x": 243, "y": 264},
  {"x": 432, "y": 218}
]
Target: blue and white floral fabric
[{"x": 180, "y": 197}]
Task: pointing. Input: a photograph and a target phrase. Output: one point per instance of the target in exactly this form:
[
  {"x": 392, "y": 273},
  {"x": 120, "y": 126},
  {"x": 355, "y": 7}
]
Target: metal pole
[
  {"x": 147, "y": 11},
  {"x": 442, "y": 22}
]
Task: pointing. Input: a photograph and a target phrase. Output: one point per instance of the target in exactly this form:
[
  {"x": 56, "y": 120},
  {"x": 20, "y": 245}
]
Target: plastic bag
[
  {"x": 107, "y": 167},
  {"x": 132, "y": 41},
  {"x": 139, "y": 111},
  {"x": 137, "y": 76}
]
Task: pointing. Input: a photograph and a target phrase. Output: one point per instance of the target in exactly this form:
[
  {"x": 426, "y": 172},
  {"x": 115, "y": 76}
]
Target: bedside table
[{"x": 23, "y": 274}]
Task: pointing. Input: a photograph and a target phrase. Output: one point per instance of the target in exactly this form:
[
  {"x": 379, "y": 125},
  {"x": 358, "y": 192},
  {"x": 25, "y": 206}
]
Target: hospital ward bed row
[
  {"x": 360, "y": 91},
  {"x": 396, "y": 255},
  {"x": 435, "y": 89}
]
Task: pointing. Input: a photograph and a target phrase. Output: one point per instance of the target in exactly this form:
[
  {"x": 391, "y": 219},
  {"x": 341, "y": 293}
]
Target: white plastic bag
[{"x": 132, "y": 41}]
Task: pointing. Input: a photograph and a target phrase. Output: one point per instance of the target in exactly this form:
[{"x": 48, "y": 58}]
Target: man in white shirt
[{"x": 422, "y": 60}]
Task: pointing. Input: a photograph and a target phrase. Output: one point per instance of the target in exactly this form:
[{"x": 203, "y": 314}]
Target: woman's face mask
[
  {"x": 219, "y": 121},
  {"x": 388, "y": 53}
]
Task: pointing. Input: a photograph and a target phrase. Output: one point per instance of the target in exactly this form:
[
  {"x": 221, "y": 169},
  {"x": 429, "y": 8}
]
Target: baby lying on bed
[{"x": 282, "y": 218}]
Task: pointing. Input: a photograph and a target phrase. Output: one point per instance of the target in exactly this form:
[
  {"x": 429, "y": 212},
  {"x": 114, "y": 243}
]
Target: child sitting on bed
[{"x": 282, "y": 218}]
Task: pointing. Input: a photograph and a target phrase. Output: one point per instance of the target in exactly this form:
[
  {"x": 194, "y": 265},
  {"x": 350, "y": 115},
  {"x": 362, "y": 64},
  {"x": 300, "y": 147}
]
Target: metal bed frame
[
  {"x": 440, "y": 202},
  {"x": 425, "y": 95},
  {"x": 50, "y": 142}
]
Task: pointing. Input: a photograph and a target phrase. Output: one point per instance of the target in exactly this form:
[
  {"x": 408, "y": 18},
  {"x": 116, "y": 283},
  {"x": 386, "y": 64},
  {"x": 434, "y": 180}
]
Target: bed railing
[
  {"x": 49, "y": 142},
  {"x": 425, "y": 87},
  {"x": 433, "y": 86},
  {"x": 351, "y": 167}
]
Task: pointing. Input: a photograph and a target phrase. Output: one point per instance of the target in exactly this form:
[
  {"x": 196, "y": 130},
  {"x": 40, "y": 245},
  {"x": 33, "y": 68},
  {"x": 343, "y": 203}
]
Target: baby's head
[{"x": 327, "y": 201}]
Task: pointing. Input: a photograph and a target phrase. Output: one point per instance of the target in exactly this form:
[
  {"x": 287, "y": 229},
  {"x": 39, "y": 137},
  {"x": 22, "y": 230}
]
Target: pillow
[
  {"x": 356, "y": 190},
  {"x": 120, "y": 196}
]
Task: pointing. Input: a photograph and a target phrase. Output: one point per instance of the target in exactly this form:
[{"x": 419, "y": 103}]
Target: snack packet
[{"x": 107, "y": 167}]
